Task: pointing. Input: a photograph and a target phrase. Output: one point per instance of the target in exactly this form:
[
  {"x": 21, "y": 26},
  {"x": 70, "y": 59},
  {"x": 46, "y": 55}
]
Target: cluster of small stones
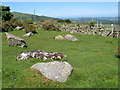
[{"x": 39, "y": 54}]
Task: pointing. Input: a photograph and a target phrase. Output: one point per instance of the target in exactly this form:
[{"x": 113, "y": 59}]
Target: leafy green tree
[
  {"x": 68, "y": 21},
  {"x": 6, "y": 14},
  {"x": 60, "y": 20}
]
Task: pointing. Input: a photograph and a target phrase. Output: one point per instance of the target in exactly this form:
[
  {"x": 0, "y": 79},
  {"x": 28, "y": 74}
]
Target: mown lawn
[{"x": 92, "y": 57}]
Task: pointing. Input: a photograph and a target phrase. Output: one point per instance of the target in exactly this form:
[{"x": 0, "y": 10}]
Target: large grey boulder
[
  {"x": 70, "y": 37},
  {"x": 56, "y": 70},
  {"x": 28, "y": 34},
  {"x": 15, "y": 41},
  {"x": 39, "y": 54},
  {"x": 19, "y": 28}
]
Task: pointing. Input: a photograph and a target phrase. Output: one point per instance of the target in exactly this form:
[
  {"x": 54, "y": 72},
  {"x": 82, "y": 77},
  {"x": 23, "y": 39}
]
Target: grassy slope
[
  {"x": 24, "y": 16},
  {"x": 92, "y": 58}
]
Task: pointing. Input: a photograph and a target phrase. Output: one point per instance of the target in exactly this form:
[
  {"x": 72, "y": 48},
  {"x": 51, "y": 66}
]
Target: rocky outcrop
[
  {"x": 56, "y": 70},
  {"x": 70, "y": 37},
  {"x": 19, "y": 28},
  {"x": 39, "y": 54},
  {"x": 15, "y": 41},
  {"x": 59, "y": 37},
  {"x": 28, "y": 34}
]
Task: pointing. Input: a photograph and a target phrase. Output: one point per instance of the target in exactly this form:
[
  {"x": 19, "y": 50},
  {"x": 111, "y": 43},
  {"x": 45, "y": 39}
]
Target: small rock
[
  {"x": 19, "y": 28},
  {"x": 70, "y": 37},
  {"x": 56, "y": 70},
  {"x": 59, "y": 37},
  {"x": 28, "y": 34}
]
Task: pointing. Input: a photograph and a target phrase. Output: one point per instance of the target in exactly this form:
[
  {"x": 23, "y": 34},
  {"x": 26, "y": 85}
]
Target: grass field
[{"x": 92, "y": 57}]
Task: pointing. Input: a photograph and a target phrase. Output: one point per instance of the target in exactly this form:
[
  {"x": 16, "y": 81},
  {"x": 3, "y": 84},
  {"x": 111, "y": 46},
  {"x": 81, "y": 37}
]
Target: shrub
[
  {"x": 67, "y": 21},
  {"x": 30, "y": 28},
  {"x": 60, "y": 20},
  {"x": 29, "y": 21},
  {"x": 91, "y": 24},
  {"x": 78, "y": 24},
  {"x": 49, "y": 25},
  {"x": 6, "y": 26},
  {"x": 10, "y": 25}
]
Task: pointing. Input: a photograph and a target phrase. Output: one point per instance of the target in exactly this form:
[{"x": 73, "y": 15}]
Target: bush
[
  {"x": 49, "y": 25},
  {"x": 10, "y": 25},
  {"x": 91, "y": 24},
  {"x": 67, "y": 21},
  {"x": 30, "y": 28},
  {"x": 6, "y": 26},
  {"x": 60, "y": 20},
  {"x": 29, "y": 21}
]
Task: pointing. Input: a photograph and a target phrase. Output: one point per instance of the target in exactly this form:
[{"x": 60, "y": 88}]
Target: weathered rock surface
[
  {"x": 70, "y": 37},
  {"x": 39, "y": 54},
  {"x": 15, "y": 41},
  {"x": 59, "y": 37},
  {"x": 19, "y": 28},
  {"x": 56, "y": 70},
  {"x": 28, "y": 34}
]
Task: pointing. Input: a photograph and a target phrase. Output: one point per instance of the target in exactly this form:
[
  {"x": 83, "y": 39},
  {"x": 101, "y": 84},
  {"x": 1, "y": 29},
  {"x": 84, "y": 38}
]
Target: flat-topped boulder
[
  {"x": 70, "y": 37},
  {"x": 15, "y": 41},
  {"x": 19, "y": 28},
  {"x": 59, "y": 37},
  {"x": 28, "y": 34},
  {"x": 40, "y": 54},
  {"x": 56, "y": 70}
]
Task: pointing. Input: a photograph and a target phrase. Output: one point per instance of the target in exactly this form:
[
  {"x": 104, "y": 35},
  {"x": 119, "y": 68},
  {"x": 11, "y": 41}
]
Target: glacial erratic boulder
[
  {"x": 59, "y": 37},
  {"x": 15, "y": 41},
  {"x": 56, "y": 70},
  {"x": 70, "y": 37},
  {"x": 39, "y": 54},
  {"x": 28, "y": 34}
]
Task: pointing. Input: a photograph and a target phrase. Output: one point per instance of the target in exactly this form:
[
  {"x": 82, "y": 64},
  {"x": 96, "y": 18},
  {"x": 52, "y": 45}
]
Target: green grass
[{"x": 92, "y": 57}]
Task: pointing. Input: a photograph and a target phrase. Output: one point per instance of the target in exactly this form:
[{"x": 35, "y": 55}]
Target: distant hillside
[
  {"x": 24, "y": 16},
  {"x": 104, "y": 20}
]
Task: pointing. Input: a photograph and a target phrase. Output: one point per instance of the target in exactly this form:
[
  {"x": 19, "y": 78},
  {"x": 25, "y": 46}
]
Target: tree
[
  {"x": 6, "y": 14},
  {"x": 67, "y": 21},
  {"x": 60, "y": 20}
]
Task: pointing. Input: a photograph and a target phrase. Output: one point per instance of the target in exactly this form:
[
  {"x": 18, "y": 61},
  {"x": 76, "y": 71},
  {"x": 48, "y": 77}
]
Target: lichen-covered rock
[
  {"x": 59, "y": 37},
  {"x": 28, "y": 34},
  {"x": 15, "y": 41},
  {"x": 19, "y": 28},
  {"x": 56, "y": 70},
  {"x": 39, "y": 54},
  {"x": 70, "y": 37}
]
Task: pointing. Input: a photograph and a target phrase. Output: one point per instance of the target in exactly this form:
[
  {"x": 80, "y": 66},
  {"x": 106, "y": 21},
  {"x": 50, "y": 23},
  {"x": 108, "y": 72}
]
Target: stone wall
[{"x": 96, "y": 30}]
